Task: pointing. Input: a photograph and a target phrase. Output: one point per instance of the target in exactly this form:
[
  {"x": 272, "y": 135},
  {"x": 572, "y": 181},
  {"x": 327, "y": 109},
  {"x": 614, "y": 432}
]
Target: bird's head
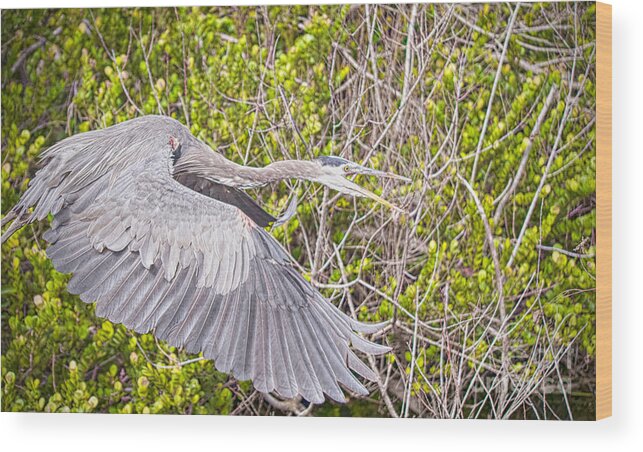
[{"x": 334, "y": 173}]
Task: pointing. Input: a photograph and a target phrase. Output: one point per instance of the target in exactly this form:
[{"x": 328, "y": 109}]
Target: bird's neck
[
  {"x": 280, "y": 170},
  {"x": 249, "y": 177},
  {"x": 223, "y": 171}
]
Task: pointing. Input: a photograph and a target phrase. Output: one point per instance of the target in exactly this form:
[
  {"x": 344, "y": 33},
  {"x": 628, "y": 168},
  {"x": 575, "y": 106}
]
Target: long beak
[
  {"x": 372, "y": 172},
  {"x": 369, "y": 194}
]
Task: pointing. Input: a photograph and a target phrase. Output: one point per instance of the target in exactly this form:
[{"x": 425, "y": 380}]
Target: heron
[{"x": 158, "y": 231}]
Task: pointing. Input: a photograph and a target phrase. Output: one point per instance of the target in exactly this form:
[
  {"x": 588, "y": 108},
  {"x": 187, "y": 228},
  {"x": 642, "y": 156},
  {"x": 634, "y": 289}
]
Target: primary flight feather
[{"x": 157, "y": 230}]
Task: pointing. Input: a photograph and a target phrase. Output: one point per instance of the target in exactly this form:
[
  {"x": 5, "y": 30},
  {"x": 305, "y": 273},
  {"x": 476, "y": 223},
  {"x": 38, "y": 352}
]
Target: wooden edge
[{"x": 603, "y": 210}]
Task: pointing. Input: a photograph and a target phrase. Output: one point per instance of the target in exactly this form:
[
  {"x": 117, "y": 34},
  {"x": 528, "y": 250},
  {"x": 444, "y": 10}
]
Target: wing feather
[
  {"x": 261, "y": 373},
  {"x": 283, "y": 371},
  {"x": 307, "y": 378},
  {"x": 323, "y": 365}
]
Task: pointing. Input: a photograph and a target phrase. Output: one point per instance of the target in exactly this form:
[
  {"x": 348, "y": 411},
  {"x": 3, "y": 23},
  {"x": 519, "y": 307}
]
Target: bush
[{"x": 481, "y": 325}]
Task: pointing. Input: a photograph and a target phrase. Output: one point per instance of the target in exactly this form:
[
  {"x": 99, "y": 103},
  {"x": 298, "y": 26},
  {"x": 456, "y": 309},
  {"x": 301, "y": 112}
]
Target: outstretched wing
[{"x": 157, "y": 255}]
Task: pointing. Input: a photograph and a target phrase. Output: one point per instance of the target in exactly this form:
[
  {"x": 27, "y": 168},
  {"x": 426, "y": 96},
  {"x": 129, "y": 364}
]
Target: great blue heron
[{"x": 158, "y": 231}]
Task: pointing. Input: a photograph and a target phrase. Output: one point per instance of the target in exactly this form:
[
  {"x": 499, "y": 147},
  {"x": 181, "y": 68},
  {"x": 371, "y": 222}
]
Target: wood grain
[{"x": 604, "y": 210}]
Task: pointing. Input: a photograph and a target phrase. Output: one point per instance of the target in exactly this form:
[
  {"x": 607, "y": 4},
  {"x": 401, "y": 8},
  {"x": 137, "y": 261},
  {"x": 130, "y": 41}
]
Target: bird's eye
[{"x": 347, "y": 168}]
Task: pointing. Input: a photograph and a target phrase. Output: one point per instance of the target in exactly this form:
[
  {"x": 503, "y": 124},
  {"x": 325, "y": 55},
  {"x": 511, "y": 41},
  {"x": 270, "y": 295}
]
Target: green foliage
[{"x": 210, "y": 68}]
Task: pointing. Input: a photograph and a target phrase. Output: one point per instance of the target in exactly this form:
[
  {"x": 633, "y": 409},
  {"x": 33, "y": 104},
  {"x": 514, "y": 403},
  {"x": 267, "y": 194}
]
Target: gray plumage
[{"x": 157, "y": 230}]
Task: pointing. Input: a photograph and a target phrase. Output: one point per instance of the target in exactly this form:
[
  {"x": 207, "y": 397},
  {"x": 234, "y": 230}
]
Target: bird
[{"x": 158, "y": 231}]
